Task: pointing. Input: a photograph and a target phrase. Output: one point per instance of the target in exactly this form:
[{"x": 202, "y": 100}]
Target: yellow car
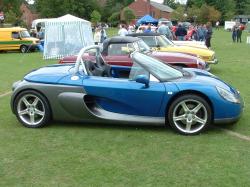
[
  {"x": 159, "y": 42},
  {"x": 17, "y": 38}
]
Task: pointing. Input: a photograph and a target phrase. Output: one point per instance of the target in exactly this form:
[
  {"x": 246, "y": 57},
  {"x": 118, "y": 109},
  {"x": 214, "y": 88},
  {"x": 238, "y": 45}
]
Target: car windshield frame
[
  {"x": 24, "y": 34},
  {"x": 157, "y": 68},
  {"x": 163, "y": 41},
  {"x": 141, "y": 46}
]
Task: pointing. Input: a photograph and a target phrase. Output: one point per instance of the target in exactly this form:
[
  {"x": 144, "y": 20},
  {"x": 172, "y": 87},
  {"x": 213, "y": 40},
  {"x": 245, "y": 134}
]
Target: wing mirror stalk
[{"x": 143, "y": 79}]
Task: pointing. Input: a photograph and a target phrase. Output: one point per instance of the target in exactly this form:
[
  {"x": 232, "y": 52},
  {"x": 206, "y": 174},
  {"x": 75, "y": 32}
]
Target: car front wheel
[
  {"x": 23, "y": 49},
  {"x": 32, "y": 109},
  {"x": 189, "y": 114}
]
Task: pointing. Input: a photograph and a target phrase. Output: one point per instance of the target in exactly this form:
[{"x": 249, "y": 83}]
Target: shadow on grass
[{"x": 127, "y": 127}]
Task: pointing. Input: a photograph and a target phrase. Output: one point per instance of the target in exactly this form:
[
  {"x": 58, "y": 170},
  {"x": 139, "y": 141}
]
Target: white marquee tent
[{"x": 65, "y": 36}]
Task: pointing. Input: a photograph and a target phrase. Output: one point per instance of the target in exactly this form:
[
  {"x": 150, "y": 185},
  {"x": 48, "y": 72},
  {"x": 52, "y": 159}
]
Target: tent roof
[
  {"x": 67, "y": 18},
  {"x": 147, "y": 19}
]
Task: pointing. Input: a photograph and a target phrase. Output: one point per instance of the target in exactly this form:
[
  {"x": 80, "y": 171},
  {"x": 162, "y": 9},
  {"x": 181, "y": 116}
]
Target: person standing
[
  {"x": 164, "y": 29},
  {"x": 234, "y": 33},
  {"x": 103, "y": 34},
  {"x": 217, "y": 24},
  {"x": 123, "y": 31},
  {"x": 97, "y": 36},
  {"x": 200, "y": 33},
  {"x": 239, "y": 32},
  {"x": 180, "y": 32},
  {"x": 208, "y": 35}
]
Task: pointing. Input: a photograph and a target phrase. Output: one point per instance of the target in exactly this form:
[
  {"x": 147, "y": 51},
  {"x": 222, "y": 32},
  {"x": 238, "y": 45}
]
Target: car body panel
[{"x": 197, "y": 44}]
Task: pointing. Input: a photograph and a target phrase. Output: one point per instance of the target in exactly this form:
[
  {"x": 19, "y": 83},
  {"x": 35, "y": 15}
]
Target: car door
[
  {"x": 16, "y": 41},
  {"x": 126, "y": 96}
]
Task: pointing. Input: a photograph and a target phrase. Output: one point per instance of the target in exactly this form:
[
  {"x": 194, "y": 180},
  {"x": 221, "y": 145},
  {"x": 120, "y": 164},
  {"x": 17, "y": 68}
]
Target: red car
[{"x": 116, "y": 51}]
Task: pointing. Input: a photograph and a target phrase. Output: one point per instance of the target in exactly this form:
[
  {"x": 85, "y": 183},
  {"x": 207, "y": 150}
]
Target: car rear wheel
[
  {"x": 32, "y": 109},
  {"x": 23, "y": 49},
  {"x": 189, "y": 114}
]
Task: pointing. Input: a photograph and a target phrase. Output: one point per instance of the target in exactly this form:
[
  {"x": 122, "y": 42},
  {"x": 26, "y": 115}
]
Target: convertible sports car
[
  {"x": 116, "y": 52},
  {"x": 159, "y": 42},
  {"x": 189, "y": 100}
]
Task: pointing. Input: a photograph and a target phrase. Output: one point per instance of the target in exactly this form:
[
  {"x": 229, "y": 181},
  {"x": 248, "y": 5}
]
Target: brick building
[
  {"x": 27, "y": 15},
  {"x": 143, "y": 7}
]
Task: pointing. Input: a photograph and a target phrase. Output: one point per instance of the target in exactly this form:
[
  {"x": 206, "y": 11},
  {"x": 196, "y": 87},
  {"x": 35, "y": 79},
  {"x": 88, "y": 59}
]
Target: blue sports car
[{"x": 189, "y": 100}]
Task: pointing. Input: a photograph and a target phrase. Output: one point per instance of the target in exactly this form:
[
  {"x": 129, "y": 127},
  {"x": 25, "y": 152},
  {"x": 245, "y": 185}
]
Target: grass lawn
[{"x": 121, "y": 155}]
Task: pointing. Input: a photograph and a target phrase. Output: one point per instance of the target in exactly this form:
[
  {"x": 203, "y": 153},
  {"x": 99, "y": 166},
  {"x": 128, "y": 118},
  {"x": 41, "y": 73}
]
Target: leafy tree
[
  {"x": 208, "y": 14},
  {"x": 179, "y": 13},
  {"x": 11, "y": 17},
  {"x": 170, "y": 3},
  {"x": 56, "y": 8},
  {"x": 95, "y": 17},
  {"x": 128, "y": 14},
  {"x": 242, "y": 7},
  {"x": 114, "y": 18}
]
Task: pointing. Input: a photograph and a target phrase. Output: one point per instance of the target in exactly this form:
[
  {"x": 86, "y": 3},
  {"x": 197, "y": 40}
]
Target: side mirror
[{"x": 142, "y": 79}]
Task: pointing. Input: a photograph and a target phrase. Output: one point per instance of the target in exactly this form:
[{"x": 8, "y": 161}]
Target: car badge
[{"x": 74, "y": 78}]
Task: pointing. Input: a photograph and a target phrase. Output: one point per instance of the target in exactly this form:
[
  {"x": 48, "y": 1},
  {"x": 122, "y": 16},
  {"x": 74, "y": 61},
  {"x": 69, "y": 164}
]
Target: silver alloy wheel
[
  {"x": 30, "y": 109},
  {"x": 190, "y": 116}
]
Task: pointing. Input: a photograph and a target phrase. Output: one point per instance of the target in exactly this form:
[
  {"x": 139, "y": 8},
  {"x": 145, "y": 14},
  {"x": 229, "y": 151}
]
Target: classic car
[
  {"x": 159, "y": 42},
  {"x": 116, "y": 52},
  {"x": 187, "y": 99}
]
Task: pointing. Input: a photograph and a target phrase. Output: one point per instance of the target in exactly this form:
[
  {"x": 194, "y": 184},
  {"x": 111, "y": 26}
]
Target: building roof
[{"x": 161, "y": 7}]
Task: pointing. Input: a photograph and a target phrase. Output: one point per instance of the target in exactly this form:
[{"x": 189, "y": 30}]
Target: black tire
[
  {"x": 32, "y": 109},
  {"x": 189, "y": 114},
  {"x": 23, "y": 49}
]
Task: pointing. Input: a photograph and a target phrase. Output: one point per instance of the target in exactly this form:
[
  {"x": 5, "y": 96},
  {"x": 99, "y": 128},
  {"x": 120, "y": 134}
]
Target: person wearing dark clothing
[
  {"x": 239, "y": 33},
  {"x": 180, "y": 32},
  {"x": 209, "y": 35},
  {"x": 234, "y": 33}
]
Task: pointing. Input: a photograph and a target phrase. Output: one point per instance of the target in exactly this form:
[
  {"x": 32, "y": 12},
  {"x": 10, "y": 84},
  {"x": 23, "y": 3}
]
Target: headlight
[{"x": 228, "y": 95}]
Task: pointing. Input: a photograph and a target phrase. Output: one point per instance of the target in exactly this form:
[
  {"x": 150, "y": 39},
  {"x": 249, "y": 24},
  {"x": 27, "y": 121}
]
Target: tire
[
  {"x": 189, "y": 114},
  {"x": 23, "y": 49},
  {"x": 32, "y": 109}
]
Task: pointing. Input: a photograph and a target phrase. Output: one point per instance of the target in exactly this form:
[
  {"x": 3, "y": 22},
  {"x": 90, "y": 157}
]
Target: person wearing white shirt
[{"x": 123, "y": 31}]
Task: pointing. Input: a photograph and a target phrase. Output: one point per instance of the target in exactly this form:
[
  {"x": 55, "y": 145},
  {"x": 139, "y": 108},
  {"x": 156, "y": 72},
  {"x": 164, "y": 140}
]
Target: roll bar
[{"x": 82, "y": 51}]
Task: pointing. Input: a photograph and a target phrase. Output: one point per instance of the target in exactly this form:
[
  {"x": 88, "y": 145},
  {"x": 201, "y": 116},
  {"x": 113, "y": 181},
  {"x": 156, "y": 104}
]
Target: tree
[
  {"x": 128, "y": 14},
  {"x": 170, "y": 3},
  {"x": 56, "y": 8},
  {"x": 95, "y": 17},
  {"x": 179, "y": 13},
  {"x": 11, "y": 17},
  {"x": 208, "y": 14},
  {"x": 242, "y": 6},
  {"x": 114, "y": 18}
]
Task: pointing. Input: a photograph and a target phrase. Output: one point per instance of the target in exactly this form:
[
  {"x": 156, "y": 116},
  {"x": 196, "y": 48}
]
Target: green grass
[{"x": 121, "y": 155}]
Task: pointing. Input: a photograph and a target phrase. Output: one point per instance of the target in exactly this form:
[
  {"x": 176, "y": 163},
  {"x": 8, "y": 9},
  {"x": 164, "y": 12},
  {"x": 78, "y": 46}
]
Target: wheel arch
[
  {"x": 194, "y": 92},
  {"x": 31, "y": 89}
]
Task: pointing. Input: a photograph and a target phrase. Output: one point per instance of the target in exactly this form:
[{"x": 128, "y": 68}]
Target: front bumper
[{"x": 215, "y": 61}]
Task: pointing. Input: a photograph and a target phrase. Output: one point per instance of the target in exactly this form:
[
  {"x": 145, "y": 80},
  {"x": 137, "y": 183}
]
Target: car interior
[{"x": 98, "y": 68}]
